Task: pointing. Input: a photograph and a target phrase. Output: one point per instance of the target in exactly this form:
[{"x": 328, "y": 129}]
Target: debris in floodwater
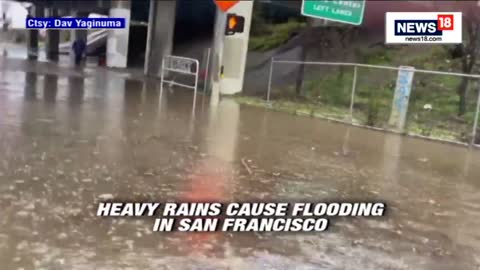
[
  {"x": 62, "y": 236},
  {"x": 22, "y": 213},
  {"x": 276, "y": 174},
  {"x": 423, "y": 159},
  {"x": 22, "y": 245},
  {"x": 300, "y": 175},
  {"x": 357, "y": 242},
  {"x": 443, "y": 214},
  {"x": 30, "y": 206},
  {"x": 129, "y": 244},
  {"x": 106, "y": 196},
  {"x": 148, "y": 173},
  {"x": 245, "y": 165},
  {"x": 87, "y": 180},
  {"x": 45, "y": 120}
]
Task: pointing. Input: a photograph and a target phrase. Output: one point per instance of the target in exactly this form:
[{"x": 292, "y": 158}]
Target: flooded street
[{"x": 69, "y": 139}]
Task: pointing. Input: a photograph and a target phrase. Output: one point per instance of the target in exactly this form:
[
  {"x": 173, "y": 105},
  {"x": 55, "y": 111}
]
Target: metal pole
[
  {"x": 475, "y": 122},
  {"x": 270, "y": 79},
  {"x": 206, "y": 80},
  {"x": 196, "y": 83},
  {"x": 217, "y": 53},
  {"x": 148, "y": 50},
  {"x": 352, "y": 98},
  {"x": 161, "y": 76}
]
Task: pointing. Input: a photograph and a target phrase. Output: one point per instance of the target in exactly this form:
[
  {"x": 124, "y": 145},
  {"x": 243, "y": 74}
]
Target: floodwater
[{"x": 66, "y": 142}]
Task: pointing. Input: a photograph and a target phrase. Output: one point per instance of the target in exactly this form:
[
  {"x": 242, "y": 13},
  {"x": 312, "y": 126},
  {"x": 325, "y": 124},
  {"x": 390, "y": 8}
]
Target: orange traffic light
[
  {"x": 235, "y": 24},
  {"x": 232, "y": 22}
]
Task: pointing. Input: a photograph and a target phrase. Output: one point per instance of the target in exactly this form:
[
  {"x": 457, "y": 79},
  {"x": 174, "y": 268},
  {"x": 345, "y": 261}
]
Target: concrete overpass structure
[{"x": 159, "y": 42}]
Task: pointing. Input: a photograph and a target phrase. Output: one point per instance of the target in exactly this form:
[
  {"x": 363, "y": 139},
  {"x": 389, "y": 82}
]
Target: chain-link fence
[{"x": 440, "y": 105}]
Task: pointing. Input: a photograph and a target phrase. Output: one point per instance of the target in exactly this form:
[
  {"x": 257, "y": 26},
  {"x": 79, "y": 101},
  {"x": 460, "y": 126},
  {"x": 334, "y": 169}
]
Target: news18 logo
[{"x": 423, "y": 27}]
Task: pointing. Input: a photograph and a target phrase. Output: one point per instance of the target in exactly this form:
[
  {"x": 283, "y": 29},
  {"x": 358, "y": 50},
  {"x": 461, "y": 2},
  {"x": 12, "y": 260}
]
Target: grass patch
[
  {"x": 336, "y": 113},
  {"x": 303, "y": 108}
]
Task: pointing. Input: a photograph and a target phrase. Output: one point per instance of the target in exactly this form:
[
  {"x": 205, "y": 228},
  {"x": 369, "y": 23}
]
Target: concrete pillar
[
  {"x": 161, "y": 25},
  {"x": 117, "y": 41},
  {"x": 235, "y": 49},
  {"x": 53, "y": 38},
  {"x": 32, "y": 37},
  {"x": 217, "y": 55},
  {"x": 398, "y": 114}
]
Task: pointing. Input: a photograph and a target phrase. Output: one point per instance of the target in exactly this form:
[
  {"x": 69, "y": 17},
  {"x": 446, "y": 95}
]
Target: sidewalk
[{"x": 63, "y": 68}]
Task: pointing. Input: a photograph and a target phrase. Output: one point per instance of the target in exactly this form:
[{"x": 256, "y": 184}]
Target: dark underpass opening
[{"x": 193, "y": 32}]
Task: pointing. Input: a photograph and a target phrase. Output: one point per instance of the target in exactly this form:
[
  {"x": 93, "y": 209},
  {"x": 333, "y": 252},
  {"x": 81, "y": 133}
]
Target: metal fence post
[
  {"x": 207, "y": 73},
  {"x": 352, "y": 97},
  {"x": 162, "y": 75},
  {"x": 475, "y": 122},
  {"x": 196, "y": 84},
  {"x": 270, "y": 79}
]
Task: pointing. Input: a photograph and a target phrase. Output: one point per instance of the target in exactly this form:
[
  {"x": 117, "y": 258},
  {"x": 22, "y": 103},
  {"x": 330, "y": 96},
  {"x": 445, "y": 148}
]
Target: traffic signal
[{"x": 235, "y": 24}]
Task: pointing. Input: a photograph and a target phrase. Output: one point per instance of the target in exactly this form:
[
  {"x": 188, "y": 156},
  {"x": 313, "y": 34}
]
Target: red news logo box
[{"x": 445, "y": 22}]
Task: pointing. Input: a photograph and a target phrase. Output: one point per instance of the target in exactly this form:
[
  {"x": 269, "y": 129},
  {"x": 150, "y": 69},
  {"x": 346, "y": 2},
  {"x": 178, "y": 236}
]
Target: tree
[
  {"x": 344, "y": 36},
  {"x": 303, "y": 57}
]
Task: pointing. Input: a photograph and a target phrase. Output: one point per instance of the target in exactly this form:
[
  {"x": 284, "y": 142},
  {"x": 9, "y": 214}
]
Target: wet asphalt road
[{"x": 65, "y": 140}]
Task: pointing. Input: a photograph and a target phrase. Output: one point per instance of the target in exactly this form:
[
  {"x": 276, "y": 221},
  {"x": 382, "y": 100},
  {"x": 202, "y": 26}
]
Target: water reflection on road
[{"x": 64, "y": 141}]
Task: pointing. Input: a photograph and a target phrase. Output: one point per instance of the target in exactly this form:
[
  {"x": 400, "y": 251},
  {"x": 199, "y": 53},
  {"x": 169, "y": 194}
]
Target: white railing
[{"x": 182, "y": 65}]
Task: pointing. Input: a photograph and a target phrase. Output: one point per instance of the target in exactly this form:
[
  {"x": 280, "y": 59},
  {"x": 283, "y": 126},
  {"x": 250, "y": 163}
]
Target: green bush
[{"x": 373, "y": 109}]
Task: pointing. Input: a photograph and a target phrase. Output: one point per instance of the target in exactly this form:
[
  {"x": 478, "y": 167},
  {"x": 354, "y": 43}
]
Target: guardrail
[
  {"x": 355, "y": 67},
  {"x": 182, "y": 65}
]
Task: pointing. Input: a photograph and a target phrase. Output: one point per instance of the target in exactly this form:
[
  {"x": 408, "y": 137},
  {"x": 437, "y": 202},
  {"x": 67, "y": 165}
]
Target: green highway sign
[{"x": 339, "y": 11}]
